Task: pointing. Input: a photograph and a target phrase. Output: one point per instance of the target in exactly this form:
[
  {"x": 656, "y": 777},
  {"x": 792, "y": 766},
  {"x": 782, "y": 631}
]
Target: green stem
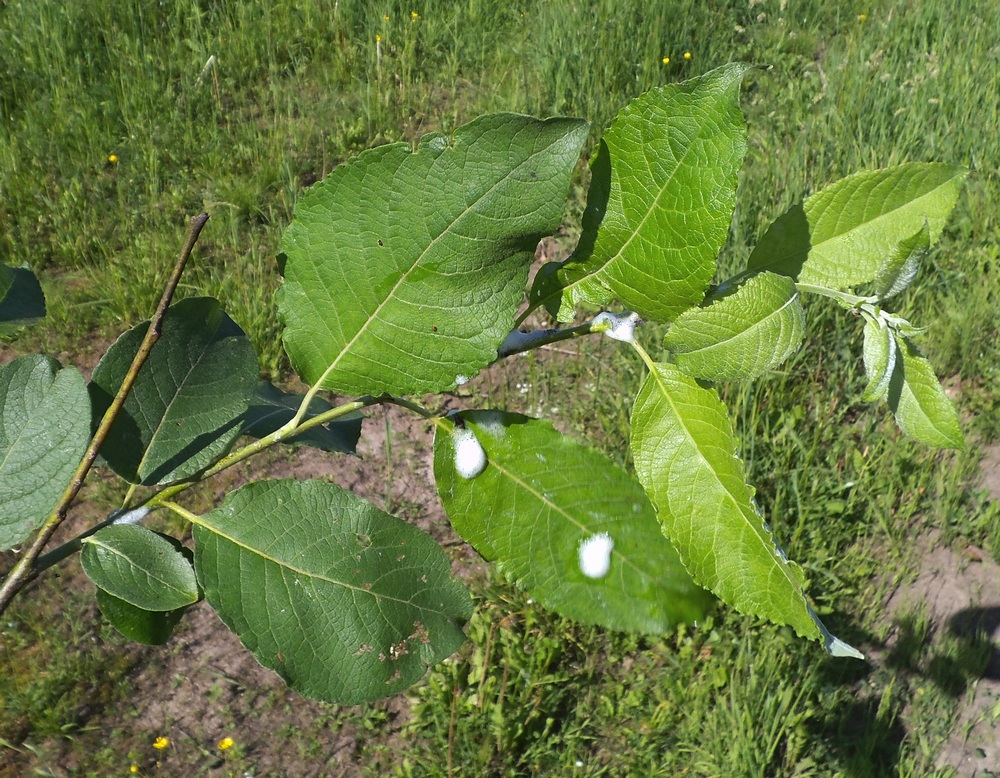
[
  {"x": 643, "y": 354},
  {"x": 25, "y": 570},
  {"x": 844, "y": 298}
]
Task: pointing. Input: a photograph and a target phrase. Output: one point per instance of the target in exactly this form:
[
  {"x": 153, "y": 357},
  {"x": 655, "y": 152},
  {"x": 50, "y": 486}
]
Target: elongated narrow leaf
[
  {"x": 152, "y": 628},
  {"x": 44, "y": 431},
  {"x": 404, "y": 270},
  {"x": 343, "y": 601},
  {"x": 139, "y": 566},
  {"x": 685, "y": 456},
  {"x": 22, "y": 301},
  {"x": 741, "y": 336},
  {"x": 186, "y": 406},
  {"x": 900, "y": 268},
  {"x": 272, "y": 408},
  {"x": 563, "y": 521},
  {"x": 661, "y": 198},
  {"x": 879, "y": 357},
  {"x": 842, "y": 235},
  {"x": 917, "y": 399}
]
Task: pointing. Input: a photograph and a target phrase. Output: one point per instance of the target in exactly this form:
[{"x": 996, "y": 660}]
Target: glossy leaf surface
[
  {"x": 152, "y": 628},
  {"x": 343, "y": 601},
  {"x": 272, "y": 408},
  {"x": 740, "y": 336},
  {"x": 879, "y": 358},
  {"x": 186, "y": 405},
  {"x": 538, "y": 503},
  {"x": 686, "y": 458},
  {"x": 901, "y": 266},
  {"x": 404, "y": 269},
  {"x": 842, "y": 235},
  {"x": 918, "y": 401},
  {"x": 22, "y": 301},
  {"x": 139, "y": 566},
  {"x": 44, "y": 431},
  {"x": 662, "y": 193}
]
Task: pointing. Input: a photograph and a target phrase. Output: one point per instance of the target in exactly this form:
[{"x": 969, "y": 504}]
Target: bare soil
[{"x": 959, "y": 592}]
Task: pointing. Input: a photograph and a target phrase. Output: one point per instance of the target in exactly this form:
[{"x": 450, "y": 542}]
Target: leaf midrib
[
  {"x": 544, "y": 500},
  {"x": 732, "y": 498},
  {"x": 309, "y": 574},
  {"x": 416, "y": 263},
  {"x": 744, "y": 332},
  {"x": 781, "y": 258},
  {"x": 560, "y": 291}
]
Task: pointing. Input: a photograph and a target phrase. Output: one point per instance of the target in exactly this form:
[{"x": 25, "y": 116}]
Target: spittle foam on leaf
[
  {"x": 621, "y": 326},
  {"x": 470, "y": 458},
  {"x": 595, "y": 555}
]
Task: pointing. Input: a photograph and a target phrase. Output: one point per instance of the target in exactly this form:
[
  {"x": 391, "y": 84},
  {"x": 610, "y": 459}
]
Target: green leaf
[
  {"x": 152, "y": 628},
  {"x": 343, "y": 601},
  {"x": 841, "y": 235},
  {"x": 272, "y": 408},
  {"x": 185, "y": 408},
  {"x": 686, "y": 458},
  {"x": 563, "y": 521},
  {"x": 900, "y": 268},
  {"x": 918, "y": 401},
  {"x": 880, "y": 357},
  {"x": 740, "y": 336},
  {"x": 139, "y": 566},
  {"x": 404, "y": 270},
  {"x": 22, "y": 301},
  {"x": 44, "y": 432},
  {"x": 662, "y": 193}
]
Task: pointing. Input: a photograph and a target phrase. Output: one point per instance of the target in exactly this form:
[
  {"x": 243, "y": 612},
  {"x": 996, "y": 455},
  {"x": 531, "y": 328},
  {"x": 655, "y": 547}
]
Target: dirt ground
[
  {"x": 959, "y": 591},
  {"x": 203, "y": 685}
]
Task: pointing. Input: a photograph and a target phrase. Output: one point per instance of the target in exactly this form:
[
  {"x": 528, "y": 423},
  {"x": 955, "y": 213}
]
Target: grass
[{"x": 235, "y": 108}]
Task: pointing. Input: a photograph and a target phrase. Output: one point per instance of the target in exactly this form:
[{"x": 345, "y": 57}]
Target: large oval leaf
[
  {"x": 186, "y": 405},
  {"x": 741, "y": 336},
  {"x": 918, "y": 401},
  {"x": 140, "y": 567},
  {"x": 879, "y": 355},
  {"x": 563, "y": 521},
  {"x": 44, "y": 431},
  {"x": 404, "y": 270},
  {"x": 843, "y": 234},
  {"x": 661, "y": 198},
  {"x": 345, "y": 602},
  {"x": 685, "y": 456}
]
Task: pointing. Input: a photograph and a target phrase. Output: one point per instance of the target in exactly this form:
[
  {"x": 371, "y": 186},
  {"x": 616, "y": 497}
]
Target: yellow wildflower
[
  {"x": 134, "y": 768},
  {"x": 385, "y": 18},
  {"x": 687, "y": 55},
  {"x": 378, "y": 38},
  {"x": 226, "y": 743},
  {"x": 414, "y": 16},
  {"x": 161, "y": 742},
  {"x": 113, "y": 159},
  {"x": 862, "y": 17},
  {"x": 666, "y": 60}
]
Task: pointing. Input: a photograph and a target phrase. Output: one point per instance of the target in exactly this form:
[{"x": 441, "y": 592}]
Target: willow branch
[{"x": 24, "y": 570}]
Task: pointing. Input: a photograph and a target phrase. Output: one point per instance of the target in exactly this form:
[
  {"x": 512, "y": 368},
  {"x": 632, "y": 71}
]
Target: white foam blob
[
  {"x": 133, "y": 516},
  {"x": 621, "y": 326},
  {"x": 461, "y": 380},
  {"x": 491, "y": 422},
  {"x": 470, "y": 458},
  {"x": 595, "y": 555}
]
